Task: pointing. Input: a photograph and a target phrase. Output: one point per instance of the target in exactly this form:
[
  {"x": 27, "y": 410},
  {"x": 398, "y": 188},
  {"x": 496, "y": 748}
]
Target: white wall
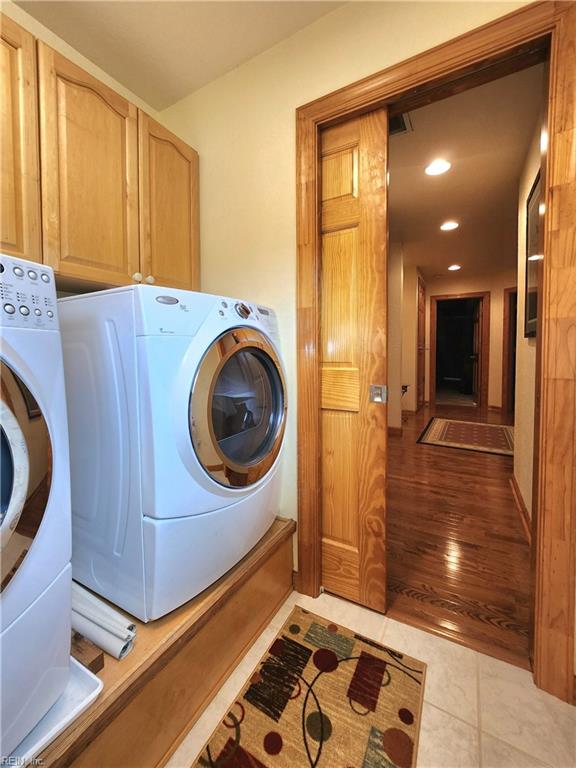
[
  {"x": 496, "y": 284},
  {"x": 47, "y": 36},
  {"x": 243, "y": 126},
  {"x": 525, "y": 347},
  {"x": 395, "y": 290},
  {"x": 410, "y": 336}
]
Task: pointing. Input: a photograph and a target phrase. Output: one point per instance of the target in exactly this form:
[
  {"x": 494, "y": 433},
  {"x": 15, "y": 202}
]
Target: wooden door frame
[
  {"x": 484, "y": 361},
  {"x": 478, "y": 56},
  {"x": 506, "y": 315}
]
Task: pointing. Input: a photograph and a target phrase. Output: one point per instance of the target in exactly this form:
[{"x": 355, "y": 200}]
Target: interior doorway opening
[
  {"x": 454, "y": 472},
  {"x": 457, "y": 379}
]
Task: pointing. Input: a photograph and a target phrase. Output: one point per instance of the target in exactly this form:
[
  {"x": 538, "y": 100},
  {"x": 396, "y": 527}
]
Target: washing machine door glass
[
  {"x": 26, "y": 471},
  {"x": 238, "y": 408}
]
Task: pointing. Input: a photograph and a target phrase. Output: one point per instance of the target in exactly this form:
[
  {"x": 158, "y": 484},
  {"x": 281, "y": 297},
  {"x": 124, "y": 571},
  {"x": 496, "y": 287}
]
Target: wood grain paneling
[
  {"x": 19, "y": 166},
  {"x": 169, "y": 205},
  {"x": 445, "y": 68},
  {"x": 340, "y": 478},
  {"x": 89, "y": 152},
  {"x": 152, "y": 697},
  {"x": 340, "y": 389},
  {"x": 353, "y": 344}
]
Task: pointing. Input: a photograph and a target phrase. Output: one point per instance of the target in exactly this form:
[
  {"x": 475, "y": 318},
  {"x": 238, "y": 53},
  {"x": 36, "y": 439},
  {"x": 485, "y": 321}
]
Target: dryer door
[
  {"x": 26, "y": 471},
  {"x": 237, "y": 410}
]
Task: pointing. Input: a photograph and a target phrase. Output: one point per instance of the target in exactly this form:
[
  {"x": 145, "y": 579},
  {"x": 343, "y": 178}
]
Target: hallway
[{"x": 458, "y": 559}]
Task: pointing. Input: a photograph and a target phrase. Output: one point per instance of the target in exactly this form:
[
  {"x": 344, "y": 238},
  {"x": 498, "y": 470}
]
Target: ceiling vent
[{"x": 399, "y": 124}]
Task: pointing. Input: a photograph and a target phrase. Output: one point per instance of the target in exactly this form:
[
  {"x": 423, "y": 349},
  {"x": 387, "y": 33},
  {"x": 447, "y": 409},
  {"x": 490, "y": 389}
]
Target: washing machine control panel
[{"x": 27, "y": 294}]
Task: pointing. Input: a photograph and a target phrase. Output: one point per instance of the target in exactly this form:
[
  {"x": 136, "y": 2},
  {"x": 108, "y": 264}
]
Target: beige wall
[
  {"x": 409, "y": 336},
  {"x": 525, "y": 348},
  {"x": 243, "y": 126},
  {"x": 461, "y": 284},
  {"x": 48, "y": 37},
  {"x": 395, "y": 289}
]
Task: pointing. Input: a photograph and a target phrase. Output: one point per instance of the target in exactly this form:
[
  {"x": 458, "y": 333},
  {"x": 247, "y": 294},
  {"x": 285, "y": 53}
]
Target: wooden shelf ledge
[{"x": 153, "y": 696}]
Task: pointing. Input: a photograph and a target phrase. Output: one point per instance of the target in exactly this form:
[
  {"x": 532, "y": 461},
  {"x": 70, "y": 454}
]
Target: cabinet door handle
[
  {"x": 137, "y": 276},
  {"x": 150, "y": 280}
]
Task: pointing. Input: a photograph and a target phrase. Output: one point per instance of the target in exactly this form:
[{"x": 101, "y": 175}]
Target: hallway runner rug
[
  {"x": 469, "y": 435},
  {"x": 323, "y": 697}
]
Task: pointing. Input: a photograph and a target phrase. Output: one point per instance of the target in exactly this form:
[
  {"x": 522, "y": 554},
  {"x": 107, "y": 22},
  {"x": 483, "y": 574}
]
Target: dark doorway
[{"x": 459, "y": 343}]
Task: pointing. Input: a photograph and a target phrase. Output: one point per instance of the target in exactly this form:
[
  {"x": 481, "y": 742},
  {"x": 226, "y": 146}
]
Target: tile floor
[{"x": 478, "y": 712}]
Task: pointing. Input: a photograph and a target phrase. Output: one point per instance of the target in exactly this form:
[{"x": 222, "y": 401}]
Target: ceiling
[
  {"x": 485, "y": 133},
  {"x": 163, "y": 50}
]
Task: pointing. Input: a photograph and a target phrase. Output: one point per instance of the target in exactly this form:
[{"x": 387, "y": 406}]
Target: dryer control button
[
  {"x": 243, "y": 310},
  {"x": 9, "y": 308},
  {"x": 18, "y": 271},
  {"x": 50, "y": 313},
  {"x": 45, "y": 278},
  {"x": 24, "y": 310},
  {"x": 166, "y": 299}
]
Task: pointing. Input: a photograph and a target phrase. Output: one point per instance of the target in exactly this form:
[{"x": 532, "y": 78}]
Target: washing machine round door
[
  {"x": 237, "y": 409},
  {"x": 26, "y": 471}
]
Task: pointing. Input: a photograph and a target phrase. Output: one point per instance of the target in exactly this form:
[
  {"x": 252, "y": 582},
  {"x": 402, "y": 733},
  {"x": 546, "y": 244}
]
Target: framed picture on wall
[{"x": 533, "y": 257}]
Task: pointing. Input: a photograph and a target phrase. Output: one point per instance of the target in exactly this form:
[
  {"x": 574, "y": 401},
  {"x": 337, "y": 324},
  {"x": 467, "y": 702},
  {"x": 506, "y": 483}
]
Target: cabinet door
[
  {"x": 19, "y": 161},
  {"x": 89, "y": 146},
  {"x": 169, "y": 235}
]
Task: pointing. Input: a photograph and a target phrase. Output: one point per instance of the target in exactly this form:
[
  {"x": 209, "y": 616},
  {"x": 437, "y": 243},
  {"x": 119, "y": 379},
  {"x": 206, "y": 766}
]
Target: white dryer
[
  {"x": 177, "y": 411},
  {"x": 35, "y": 567}
]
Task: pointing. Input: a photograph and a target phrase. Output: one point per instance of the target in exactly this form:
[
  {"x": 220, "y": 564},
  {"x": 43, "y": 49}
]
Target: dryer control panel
[{"x": 27, "y": 295}]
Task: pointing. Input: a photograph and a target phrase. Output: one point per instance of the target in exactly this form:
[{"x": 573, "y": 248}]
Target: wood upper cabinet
[
  {"x": 169, "y": 232},
  {"x": 89, "y": 154},
  {"x": 19, "y": 167}
]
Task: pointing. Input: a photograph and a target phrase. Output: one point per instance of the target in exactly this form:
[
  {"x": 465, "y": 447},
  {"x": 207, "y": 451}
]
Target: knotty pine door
[{"x": 353, "y": 357}]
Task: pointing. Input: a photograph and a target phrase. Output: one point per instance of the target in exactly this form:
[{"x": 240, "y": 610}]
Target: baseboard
[
  {"x": 395, "y": 431},
  {"x": 522, "y": 509}
]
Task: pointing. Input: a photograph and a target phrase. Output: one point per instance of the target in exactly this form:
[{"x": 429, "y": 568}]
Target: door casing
[{"x": 505, "y": 45}]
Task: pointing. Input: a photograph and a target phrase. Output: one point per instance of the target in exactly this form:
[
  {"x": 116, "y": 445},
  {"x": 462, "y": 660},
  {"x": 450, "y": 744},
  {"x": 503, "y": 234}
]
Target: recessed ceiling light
[
  {"x": 454, "y": 267},
  {"x": 438, "y": 167},
  {"x": 535, "y": 257},
  {"x": 449, "y": 225}
]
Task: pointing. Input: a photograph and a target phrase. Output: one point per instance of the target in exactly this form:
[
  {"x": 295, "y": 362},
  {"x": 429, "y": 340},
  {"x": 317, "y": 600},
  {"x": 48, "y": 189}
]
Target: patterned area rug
[
  {"x": 323, "y": 697},
  {"x": 469, "y": 435}
]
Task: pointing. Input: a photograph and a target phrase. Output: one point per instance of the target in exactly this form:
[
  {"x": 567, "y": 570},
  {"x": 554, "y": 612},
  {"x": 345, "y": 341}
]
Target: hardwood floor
[{"x": 458, "y": 559}]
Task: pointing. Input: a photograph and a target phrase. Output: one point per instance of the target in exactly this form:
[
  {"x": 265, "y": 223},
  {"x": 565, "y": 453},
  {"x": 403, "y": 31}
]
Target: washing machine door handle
[{"x": 15, "y": 473}]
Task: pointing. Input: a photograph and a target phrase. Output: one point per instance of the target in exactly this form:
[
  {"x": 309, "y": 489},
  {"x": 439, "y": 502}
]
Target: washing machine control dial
[
  {"x": 27, "y": 295},
  {"x": 243, "y": 310}
]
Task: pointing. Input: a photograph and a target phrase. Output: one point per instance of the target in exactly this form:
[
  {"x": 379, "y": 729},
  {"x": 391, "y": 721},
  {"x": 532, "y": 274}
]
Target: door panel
[
  {"x": 19, "y": 166},
  {"x": 353, "y": 356},
  {"x": 89, "y": 174},
  {"x": 169, "y": 228}
]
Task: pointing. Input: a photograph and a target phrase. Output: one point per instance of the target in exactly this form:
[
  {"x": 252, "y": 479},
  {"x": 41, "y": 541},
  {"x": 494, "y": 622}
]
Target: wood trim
[
  {"x": 484, "y": 361},
  {"x": 395, "y": 431},
  {"x": 506, "y": 405},
  {"x": 555, "y": 444},
  {"x": 522, "y": 509},
  {"x": 555, "y": 511},
  {"x": 160, "y": 642}
]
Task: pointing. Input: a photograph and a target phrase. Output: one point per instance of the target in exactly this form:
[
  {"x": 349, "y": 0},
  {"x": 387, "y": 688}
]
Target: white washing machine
[
  {"x": 35, "y": 582},
  {"x": 177, "y": 411}
]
